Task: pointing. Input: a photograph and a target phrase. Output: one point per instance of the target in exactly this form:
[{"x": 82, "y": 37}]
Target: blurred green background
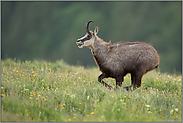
[{"x": 49, "y": 30}]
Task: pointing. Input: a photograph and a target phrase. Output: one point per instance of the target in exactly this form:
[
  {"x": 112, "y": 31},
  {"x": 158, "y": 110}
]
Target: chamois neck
[{"x": 100, "y": 45}]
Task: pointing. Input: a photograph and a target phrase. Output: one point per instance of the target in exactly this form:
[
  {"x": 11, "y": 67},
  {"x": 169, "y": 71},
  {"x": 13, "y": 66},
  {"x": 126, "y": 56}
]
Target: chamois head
[{"x": 89, "y": 38}]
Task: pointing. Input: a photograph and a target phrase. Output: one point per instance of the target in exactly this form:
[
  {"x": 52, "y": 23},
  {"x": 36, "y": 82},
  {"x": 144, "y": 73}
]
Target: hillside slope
[{"x": 43, "y": 91}]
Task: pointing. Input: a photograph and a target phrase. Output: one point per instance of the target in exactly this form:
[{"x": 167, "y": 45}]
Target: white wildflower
[
  {"x": 176, "y": 109},
  {"x": 171, "y": 112},
  {"x": 169, "y": 77},
  {"x": 148, "y": 106},
  {"x": 72, "y": 96},
  {"x": 26, "y": 89},
  {"x": 87, "y": 97},
  {"x": 179, "y": 80}
]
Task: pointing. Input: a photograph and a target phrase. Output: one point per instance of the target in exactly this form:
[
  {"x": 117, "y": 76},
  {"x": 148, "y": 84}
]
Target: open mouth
[{"x": 80, "y": 44}]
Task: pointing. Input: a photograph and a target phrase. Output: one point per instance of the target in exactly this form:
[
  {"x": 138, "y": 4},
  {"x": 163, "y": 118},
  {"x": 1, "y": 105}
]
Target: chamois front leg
[{"x": 102, "y": 76}]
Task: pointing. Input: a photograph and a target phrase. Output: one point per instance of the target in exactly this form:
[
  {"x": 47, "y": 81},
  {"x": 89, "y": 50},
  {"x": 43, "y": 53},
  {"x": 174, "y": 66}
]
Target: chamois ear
[{"x": 96, "y": 30}]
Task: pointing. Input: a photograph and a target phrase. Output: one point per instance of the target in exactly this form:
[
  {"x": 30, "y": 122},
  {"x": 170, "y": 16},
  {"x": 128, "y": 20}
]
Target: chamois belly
[{"x": 112, "y": 68}]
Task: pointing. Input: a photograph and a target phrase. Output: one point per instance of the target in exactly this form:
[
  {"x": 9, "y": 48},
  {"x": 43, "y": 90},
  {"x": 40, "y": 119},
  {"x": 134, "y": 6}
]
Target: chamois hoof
[
  {"x": 129, "y": 88},
  {"x": 110, "y": 87}
]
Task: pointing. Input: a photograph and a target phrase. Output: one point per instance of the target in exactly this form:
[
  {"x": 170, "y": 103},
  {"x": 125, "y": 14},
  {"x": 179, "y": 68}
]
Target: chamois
[{"x": 115, "y": 61}]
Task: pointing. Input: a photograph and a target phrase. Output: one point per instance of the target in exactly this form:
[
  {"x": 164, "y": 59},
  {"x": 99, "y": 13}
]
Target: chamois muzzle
[{"x": 80, "y": 42}]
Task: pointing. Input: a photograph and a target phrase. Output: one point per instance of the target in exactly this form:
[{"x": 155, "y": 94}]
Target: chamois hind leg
[
  {"x": 119, "y": 81},
  {"x": 132, "y": 79},
  {"x": 135, "y": 81},
  {"x": 102, "y": 76},
  {"x": 138, "y": 78}
]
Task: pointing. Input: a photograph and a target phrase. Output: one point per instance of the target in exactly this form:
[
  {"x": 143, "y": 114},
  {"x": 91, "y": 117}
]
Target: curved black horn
[{"x": 87, "y": 26}]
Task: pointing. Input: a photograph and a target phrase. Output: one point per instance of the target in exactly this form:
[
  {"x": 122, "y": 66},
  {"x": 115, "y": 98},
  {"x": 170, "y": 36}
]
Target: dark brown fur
[{"x": 115, "y": 61}]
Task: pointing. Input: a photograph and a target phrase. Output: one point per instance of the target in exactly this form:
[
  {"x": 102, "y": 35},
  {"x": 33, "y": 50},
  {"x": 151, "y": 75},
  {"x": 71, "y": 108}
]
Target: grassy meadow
[{"x": 57, "y": 92}]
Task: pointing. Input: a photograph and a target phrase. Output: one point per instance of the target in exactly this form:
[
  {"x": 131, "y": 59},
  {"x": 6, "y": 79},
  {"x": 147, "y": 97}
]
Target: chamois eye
[{"x": 89, "y": 36}]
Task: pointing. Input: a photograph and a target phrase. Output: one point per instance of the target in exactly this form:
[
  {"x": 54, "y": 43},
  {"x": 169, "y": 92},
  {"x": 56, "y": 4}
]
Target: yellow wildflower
[
  {"x": 17, "y": 71},
  {"x": 69, "y": 119},
  {"x": 39, "y": 92},
  {"x": 32, "y": 71},
  {"x": 2, "y": 95},
  {"x": 92, "y": 113},
  {"x": 55, "y": 108},
  {"x": 48, "y": 69},
  {"x": 74, "y": 117},
  {"x": 79, "y": 109},
  {"x": 55, "y": 82},
  {"x": 63, "y": 104},
  {"x": 31, "y": 95},
  {"x": 124, "y": 96},
  {"x": 45, "y": 99},
  {"x": 36, "y": 98},
  {"x": 56, "y": 88},
  {"x": 80, "y": 103},
  {"x": 67, "y": 94}
]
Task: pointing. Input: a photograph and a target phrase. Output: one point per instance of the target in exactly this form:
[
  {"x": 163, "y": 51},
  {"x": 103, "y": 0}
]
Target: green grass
[{"x": 57, "y": 92}]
